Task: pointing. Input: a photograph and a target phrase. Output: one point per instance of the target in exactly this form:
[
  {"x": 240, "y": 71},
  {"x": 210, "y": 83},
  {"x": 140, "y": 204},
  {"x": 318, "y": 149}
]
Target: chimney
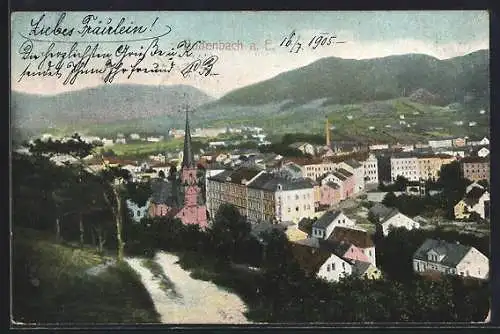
[{"x": 327, "y": 132}]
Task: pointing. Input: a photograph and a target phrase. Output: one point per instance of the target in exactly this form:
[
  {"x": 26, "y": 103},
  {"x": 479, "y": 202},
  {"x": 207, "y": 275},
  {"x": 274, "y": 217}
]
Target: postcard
[{"x": 305, "y": 167}]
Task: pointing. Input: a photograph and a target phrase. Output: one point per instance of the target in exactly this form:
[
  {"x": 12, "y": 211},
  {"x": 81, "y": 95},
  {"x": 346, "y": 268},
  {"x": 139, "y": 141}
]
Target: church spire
[{"x": 188, "y": 157}]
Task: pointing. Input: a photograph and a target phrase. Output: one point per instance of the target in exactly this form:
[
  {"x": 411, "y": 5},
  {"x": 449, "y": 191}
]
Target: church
[{"x": 179, "y": 194}]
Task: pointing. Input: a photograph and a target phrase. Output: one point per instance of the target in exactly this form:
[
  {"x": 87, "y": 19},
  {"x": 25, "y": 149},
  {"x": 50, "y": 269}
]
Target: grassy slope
[{"x": 65, "y": 294}]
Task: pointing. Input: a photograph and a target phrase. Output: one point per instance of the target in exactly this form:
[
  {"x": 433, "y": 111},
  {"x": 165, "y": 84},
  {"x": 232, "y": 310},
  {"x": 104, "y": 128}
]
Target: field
[{"x": 51, "y": 285}]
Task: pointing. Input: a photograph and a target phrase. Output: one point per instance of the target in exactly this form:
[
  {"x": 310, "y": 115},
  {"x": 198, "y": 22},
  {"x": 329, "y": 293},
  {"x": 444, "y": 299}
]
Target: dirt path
[{"x": 198, "y": 302}]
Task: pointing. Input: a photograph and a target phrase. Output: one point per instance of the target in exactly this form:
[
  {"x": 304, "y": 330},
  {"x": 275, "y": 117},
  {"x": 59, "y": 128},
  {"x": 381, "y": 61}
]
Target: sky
[{"x": 255, "y": 54}]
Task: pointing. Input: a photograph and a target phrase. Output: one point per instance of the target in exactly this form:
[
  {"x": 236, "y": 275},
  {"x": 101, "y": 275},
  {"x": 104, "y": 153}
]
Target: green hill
[{"x": 345, "y": 81}]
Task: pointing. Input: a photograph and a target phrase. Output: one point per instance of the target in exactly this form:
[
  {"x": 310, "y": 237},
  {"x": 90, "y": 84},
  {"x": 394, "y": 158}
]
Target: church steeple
[{"x": 188, "y": 157}]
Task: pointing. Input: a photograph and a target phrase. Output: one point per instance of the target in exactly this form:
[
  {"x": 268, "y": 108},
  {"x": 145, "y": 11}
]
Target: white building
[
  {"x": 154, "y": 139},
  {"x": 483, "y": 152},
  {"x": 135, "y": 136},
  {"x": 397, "y": 220},
  {"x": 214, "y": 144},
  {"x": 323, "y": 227},
  {"x": 451, "y": 259},
  {"x": 120, "y": 141},
  {"x": 378, "y": 147},
  {"x": 406, "y": 166},
  {"x": 294, "y": 201},
  {"x": 441, "y": 143},
  {"x": 371, "y": 169}
]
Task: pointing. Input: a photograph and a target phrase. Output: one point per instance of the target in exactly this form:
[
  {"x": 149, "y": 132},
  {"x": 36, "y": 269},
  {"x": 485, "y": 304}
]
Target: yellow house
[
  {"x": 367, "y": 270},
  {"x": 460, "y": 210}
]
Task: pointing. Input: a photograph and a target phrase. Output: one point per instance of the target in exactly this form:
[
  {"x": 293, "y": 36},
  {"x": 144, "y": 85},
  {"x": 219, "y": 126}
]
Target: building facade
[
  {"x": 475, "y": 168},
  {"x": 371, "y": 170},
  {"x": 406, "y": 166}
]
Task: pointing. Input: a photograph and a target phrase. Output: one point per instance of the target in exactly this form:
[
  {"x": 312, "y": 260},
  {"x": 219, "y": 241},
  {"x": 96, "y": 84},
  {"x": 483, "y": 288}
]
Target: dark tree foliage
[{"x": 229, "y": 229}]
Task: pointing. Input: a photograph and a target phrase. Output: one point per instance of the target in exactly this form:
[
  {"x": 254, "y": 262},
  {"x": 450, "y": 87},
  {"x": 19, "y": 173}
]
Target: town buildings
[
  {"x": 451, "y": 259},
  {"x": 475, "y": 168}
]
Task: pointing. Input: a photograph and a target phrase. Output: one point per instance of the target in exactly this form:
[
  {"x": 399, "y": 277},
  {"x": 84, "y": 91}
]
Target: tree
[
  {"x": 390, "y": 200},
  {"x": 401, "y": 183},
  {"x": 228, "y": 230}
]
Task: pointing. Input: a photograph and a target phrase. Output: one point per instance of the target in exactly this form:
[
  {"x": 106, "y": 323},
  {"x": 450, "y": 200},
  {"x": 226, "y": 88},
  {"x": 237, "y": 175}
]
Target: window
[
  {"x": 138, "y": 212},
  {"x": 289, "y": 210},
  {"x": 328, "y": 268},
  {"x": 297, "y": 209},
  {"x": 333, "y": 266}
]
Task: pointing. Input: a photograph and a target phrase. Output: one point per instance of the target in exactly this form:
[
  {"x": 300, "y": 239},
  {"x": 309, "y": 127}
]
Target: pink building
[
  {"x": 180, "y": 196},
  {"x": 345, "y": 250},
  {"x": 330, "y": 194}
]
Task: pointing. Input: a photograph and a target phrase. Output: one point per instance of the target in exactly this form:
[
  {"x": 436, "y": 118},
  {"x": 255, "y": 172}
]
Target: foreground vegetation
[
  {"x": 280, "y": 292},
  {"x": 50, "y": 285}
]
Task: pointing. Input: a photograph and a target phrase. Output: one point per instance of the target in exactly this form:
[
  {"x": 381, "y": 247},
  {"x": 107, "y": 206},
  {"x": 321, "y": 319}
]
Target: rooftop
[
  {"x": 453, "y": 252},
  {"x": 326, "y": 219},
  {"x": 358, "y": 238}
]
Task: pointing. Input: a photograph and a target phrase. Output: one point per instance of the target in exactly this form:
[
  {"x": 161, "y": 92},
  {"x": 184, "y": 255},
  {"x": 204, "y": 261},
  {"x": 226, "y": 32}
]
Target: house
[
  {"x": 344, "y": 250},
  {"x": 357, "y": 237},
  {"x": 451, "y": 259},
  {"x": 347, "y": 180},
  {"x": 478, "y": 141},
  {"x": 330, "y": 194},
  {"x": 475, "y": 168},
  {"x": 483, "y": 152},
  {"x": 477, "y": 200},
  {"x": 138, "y": 212},
  {"x": 459, "y": 142},
  {"x": 366, "y": 270},
  {"x": 357, "y": 169},
  {"x": 389, "y": 218},
  {"x": 473, "y": 185},
  {"x": 316, "y": 262},
  {"x": 305, "y": 148},
  {"x": 323, "y": 227}
]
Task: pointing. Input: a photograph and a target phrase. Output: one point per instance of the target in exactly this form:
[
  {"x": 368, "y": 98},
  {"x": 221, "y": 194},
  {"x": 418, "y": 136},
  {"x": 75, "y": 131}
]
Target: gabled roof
[
  {"x": 454, "y": 253},
  {"x": 358, "y": 238},
  {"x": 326, "y": 219},
  {"x": 344, "y": 172},
  {"x": 353, "y": 163},
  {"x": 473, "y": 196},
  {"x": 380, "y": 210},
  {"x": 338, "y": 248},
  {"x": 333, "y": 185},
  {"x": 340, "y": 176},
  {"x": 309, "y": 259},
  {"x": 360, "y": 267}
]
